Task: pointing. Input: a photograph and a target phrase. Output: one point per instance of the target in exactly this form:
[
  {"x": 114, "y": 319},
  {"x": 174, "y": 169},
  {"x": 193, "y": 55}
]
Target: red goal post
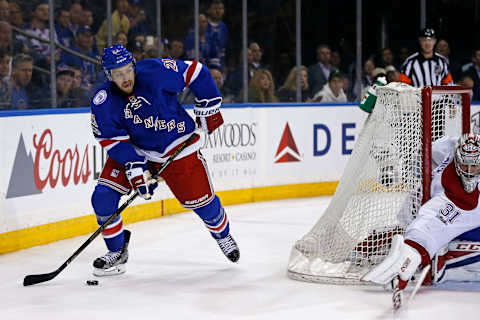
[{"x": 427, "y": 93}]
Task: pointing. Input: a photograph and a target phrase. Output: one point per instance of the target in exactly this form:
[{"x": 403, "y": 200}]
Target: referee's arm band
[
  {"x": 405, "y": 79},
  {"x": 448, "y": 79}
]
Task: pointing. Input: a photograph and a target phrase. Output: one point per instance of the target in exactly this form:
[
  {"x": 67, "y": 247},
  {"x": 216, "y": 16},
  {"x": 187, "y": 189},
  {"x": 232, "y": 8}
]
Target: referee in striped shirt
[{"x": 426, "y": 67}]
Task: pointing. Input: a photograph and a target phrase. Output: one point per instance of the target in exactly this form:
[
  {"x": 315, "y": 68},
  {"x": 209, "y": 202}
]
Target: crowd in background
[{"x": 82, "y": 27}]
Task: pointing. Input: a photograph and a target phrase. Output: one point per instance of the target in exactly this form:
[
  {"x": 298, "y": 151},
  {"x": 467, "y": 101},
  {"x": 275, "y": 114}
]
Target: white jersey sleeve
[{"x": 442, "y": 149}]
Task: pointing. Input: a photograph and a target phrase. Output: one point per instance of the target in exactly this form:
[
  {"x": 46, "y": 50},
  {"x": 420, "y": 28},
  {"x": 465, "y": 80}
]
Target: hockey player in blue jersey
[{"x": 137, "y": 119}]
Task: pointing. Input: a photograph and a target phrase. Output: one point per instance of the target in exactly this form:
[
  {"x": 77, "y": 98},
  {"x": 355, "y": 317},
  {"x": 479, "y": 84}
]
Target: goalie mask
[{"x": 467, "y": 160}]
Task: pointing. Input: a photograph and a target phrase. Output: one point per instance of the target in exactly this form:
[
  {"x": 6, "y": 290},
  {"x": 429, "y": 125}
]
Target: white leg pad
[
  {"x": 461, "y": 262},
  {"x": 403, "y": 260}
]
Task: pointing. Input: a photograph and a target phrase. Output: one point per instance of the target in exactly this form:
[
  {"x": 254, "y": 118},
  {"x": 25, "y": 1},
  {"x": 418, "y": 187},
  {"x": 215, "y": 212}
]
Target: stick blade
[{"x": 38, "y": 278}]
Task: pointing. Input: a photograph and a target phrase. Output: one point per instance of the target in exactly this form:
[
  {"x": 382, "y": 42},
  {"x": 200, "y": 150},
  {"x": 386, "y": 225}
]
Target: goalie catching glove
[
  {"x": 140, "y": 178},
  {"x": 207, "y": 113}
]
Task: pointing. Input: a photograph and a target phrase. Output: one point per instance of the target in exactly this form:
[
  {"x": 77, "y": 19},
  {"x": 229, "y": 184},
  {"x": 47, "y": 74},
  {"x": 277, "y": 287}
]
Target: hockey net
[{"x": 385, "y": 181}]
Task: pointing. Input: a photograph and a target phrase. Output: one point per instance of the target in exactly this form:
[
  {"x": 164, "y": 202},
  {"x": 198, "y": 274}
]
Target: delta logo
[{"x": 287, "y": 150}]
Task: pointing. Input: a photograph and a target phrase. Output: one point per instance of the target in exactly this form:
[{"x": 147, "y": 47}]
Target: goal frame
[
  {"x": 427, "y": 93},
  {"x": 339, "y": 249}
]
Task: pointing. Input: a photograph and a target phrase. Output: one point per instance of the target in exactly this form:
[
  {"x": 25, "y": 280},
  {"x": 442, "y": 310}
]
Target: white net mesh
[{"x": 380, "y": 190}]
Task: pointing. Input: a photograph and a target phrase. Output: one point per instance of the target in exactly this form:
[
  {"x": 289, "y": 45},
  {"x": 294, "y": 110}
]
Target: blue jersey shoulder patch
[{"x": 100, "y": 97}]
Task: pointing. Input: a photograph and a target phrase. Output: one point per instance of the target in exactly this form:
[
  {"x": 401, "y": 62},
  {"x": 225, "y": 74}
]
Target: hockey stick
[{"x": 38, "y": 278}]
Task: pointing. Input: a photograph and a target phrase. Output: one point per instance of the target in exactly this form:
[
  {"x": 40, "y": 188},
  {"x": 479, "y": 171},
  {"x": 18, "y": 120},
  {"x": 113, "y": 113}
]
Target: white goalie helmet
[{"x": 467, "y": 160}]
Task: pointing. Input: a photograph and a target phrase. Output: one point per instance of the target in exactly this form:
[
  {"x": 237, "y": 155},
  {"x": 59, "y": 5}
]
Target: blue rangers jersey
[{"x": 150, "y": 123}]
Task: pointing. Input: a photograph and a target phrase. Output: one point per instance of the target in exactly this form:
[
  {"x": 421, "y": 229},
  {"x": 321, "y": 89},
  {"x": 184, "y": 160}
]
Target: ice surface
[{"x": 176, "y": 271}]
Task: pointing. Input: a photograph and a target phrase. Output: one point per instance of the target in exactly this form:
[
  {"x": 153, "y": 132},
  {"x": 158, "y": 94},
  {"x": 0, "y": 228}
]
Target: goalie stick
[
  {"x": 397, "y": 297},
  {"x": 38, "y": 278}
]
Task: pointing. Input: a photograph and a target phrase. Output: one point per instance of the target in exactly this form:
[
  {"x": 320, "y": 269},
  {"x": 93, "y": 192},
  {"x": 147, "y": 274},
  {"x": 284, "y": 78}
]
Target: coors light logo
[{"x": 49, "y": 166}]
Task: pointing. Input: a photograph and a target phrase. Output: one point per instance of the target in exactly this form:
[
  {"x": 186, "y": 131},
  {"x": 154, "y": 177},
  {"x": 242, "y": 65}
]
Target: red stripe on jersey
[
  {"x": 113, "y": 230},
  {"x": 190, "y": 71},
  {"x": 105, "y": 143},
  {"x": 221, "y": 226}
]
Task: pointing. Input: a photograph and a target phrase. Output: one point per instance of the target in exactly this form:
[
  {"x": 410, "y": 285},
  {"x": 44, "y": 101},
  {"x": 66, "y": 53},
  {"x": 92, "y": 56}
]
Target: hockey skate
[
  {"x": 229, "y": 248},
  {"x": 112, "y": 263}
]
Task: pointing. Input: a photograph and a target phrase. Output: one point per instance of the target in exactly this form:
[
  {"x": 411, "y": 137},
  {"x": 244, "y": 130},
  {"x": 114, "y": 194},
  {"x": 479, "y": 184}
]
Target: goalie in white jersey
[{"x": 446, "y": 233}]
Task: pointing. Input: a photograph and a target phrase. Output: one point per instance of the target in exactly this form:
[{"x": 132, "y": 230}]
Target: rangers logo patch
[
  {"x": 170, "y": 64},
  {"x": 100, "y": 97}
]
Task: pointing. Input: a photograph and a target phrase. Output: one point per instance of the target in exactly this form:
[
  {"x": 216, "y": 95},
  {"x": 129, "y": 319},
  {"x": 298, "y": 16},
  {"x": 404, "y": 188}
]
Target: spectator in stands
[
  {"x": 4, "y": 11},
  {"x": 467, "y": 82},
  {"x": 121, "y": 38},
  {"x": 218, "y": 29},
  {"x": 76, "y": 12},
  {"x": 87, "y": 18},
  {"x": 403, "y": 54},
  {"x": 208, "y": 54},
  {"x": 120, "y": 22},
  {"x": 385, "y": 58},
  {"x": 80, "y": 93},
  {"x": 84, "y": 45},
  {"x": 62, "y": 27},
  {"x": 16, "y": 19},
  {"x": 138, "y": 19},
  {"x": 175, "y": 49},
  {"x": 234, "y": 82},
  {"x": 217, "y": 75},
  {"x": 187, "y": 96},
  {"x": 467, "y": 66},
  {"x": 288, "y": 92},
  {"x": 442, "y": 47},
  {"x": 336, "y": 59},
  {"x": 40, "y": 51},
  {"x": 15, "y": 16},
  {"x": 257, "y": 54},
  {"x": 366, "y": 80},
  {"x": 332, "y": 91},
  {"x": 65, "y": 95},
  {"x": 392, "y": 74},
  {"x": 136, "y": 48},
  {"x": 77, "y": 76},
  {"x": 5, "y": 86},
  {"x": 23, "y": 96},
  {"x": 474, "y": 72},
  {"x": 8, "y": 43},
  {"x": 319, "y": 72},
  {"x": 261, "y": 88},
  {"x": 5, "y": 61},
  {"x": 141, "y": 38},
  {"x": 150, "y": 51},
  {"x": 347, "y": 88},
  {"x": 376, "y": 73}
]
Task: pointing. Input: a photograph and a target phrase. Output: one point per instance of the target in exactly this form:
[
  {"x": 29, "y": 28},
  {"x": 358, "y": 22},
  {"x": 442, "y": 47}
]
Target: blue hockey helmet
[{"x": 114, "y": 57}]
